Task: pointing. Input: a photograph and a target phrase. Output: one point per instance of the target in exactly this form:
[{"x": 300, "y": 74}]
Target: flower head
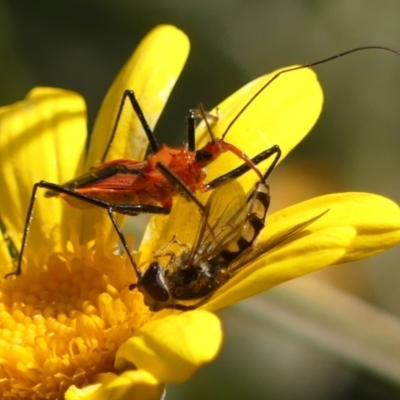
[{"x": 70, "y": 323}]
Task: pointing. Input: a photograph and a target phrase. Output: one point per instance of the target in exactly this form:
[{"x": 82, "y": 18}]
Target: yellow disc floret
[{"x": 63, "y": 321}]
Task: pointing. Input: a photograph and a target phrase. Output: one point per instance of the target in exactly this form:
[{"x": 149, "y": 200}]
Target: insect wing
[
  {"x": 263, "y": 247},
  {"x": 222, "y": 222}
]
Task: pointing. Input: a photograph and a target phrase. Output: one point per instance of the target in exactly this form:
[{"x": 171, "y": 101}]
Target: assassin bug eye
[{"x": 203, "y": 155}]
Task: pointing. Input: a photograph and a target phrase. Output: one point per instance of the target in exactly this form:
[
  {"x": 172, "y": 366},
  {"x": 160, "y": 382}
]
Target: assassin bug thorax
[{"x": 131, "y": 187}]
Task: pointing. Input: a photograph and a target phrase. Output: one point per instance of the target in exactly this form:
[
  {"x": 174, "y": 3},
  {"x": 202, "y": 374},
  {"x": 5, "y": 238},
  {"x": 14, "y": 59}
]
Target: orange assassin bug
[{"x": 131, "y": 187}]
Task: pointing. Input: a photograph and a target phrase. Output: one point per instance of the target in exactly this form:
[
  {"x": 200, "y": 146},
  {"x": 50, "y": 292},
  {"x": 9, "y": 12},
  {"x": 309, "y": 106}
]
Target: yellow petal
[
  {"x": 151, "y": 72},
  {"x": 173, "y": 347},
  {"x": 41, "y": 138},
  {"x": 130, "y": 385},
  {"x": 283, "y": 113},
  {"x": 356, "y": 226},
  {"x": 5, "y": 257},
  {"x": 375, "y": 219}
]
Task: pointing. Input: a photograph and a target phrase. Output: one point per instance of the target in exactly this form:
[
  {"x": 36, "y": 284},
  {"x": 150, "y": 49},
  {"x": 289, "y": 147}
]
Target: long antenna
[{"x": 344, "y": 53}]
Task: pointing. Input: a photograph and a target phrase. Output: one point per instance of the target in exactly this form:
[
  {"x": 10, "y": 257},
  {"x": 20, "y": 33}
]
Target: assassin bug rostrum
[{"x": 115, "y": 185}]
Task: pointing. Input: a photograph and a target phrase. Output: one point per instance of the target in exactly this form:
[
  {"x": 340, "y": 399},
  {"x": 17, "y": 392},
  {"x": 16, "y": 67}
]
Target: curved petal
[
  {"x": 41, "y": 138},
  {"x": 173, "y": 347},
  {"x": 356, "y": 226},
  {"x": 130, "y": 385},
  {"x": 375, "y": 219},
  {"x": 151, "y": 72},
  {"x": 283, "y": 113}
]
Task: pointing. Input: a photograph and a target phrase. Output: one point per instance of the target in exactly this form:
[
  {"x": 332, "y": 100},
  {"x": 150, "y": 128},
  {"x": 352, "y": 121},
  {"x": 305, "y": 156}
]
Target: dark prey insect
[
  {"x": 130, "y": 187},
  {"x": 225, "y": 238}
]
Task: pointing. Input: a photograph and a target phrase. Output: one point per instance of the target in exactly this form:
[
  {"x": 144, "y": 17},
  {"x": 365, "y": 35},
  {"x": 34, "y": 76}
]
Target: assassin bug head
[{"x": 215, "y": 147}]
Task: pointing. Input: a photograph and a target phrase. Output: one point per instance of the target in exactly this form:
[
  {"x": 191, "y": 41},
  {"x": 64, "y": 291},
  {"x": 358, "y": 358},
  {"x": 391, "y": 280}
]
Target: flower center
[{"x": 61, "y": 322}]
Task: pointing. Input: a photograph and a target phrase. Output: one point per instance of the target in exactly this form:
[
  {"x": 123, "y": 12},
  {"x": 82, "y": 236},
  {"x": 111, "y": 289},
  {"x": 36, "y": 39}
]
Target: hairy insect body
[{"x": 199, "y": 271}]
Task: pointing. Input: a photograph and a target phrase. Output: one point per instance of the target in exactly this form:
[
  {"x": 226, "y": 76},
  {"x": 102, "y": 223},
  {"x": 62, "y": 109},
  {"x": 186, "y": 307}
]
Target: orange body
[{"x": 127, "y": 181}]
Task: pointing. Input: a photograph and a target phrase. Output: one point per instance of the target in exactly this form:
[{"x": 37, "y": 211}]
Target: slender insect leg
[
  {"x": 209, "y": 119},
  {"x": 26, "y": 230},
  {"x": 179, "y": 185},
  {"x": 191, "y": 123},
  {"x": 164, "y": 252},
  {"x": 124, "y": 243},
  {"x": 220, "y": 146},
  {"x": 125, "y": 209},
  {"x": 191, "y": 130},
  {"x": 174, "y": 240},
  {"x": 275, "y": 149},
  {"x": 182, "y": 307},
  {"x": 138, "y": 110},
  {"x": 239, "y": 171}
]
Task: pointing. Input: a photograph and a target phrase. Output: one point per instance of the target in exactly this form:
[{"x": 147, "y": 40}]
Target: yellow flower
[
  {"x": 65, "y": 316},
  {"x": 69, "y": 323}
]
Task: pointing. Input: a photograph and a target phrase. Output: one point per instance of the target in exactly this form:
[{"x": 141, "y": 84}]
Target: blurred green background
[{"x": 281, "y": 345}]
